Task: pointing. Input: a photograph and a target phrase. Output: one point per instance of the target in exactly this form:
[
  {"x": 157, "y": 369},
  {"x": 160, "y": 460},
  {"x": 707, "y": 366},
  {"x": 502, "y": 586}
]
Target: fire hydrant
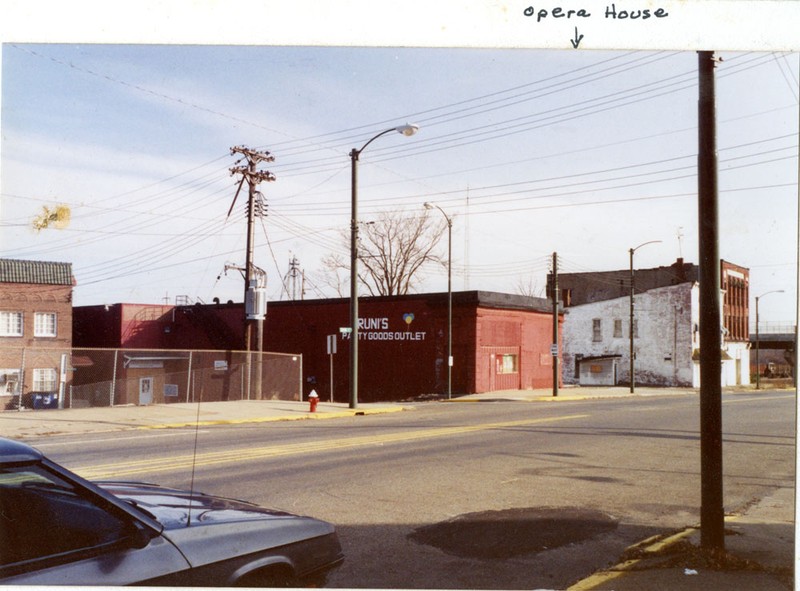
[{"x": 313, "y": 399}]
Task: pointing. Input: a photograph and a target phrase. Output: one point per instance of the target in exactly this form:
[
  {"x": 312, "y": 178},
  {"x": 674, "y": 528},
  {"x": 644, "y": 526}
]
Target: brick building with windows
[{"x": 35, "y": 331}]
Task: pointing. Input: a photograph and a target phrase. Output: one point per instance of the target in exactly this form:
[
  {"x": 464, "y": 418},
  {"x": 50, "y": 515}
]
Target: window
[
  {"x": 507, "y": 364},
  {"x": 10, "y": 324},
  {"x": 597, "y": 333},
  {"x": 44, "y": 324},
  {"x": 45, "y": 516},
  {"x": 617, "y": 329},
  {"x": 45, "y": 380},
  {"x": 9, "y": 381}
]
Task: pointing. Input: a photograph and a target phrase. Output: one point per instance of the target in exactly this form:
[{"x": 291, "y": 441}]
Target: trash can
[{"x": 43, "y": 400}]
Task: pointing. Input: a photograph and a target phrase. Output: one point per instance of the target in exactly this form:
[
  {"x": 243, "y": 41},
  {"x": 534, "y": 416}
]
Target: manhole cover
[{"x": 513, "y": 532}]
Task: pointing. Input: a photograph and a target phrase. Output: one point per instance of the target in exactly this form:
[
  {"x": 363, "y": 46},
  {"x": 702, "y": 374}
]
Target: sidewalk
[
  {"x": 759, "y": 541},
  {"x": 759, "y": 556},
  {"x": 29, "y": 424}
]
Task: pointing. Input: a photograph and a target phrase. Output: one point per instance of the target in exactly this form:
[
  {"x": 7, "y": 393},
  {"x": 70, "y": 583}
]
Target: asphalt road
[{"x": 492, "y": 495}]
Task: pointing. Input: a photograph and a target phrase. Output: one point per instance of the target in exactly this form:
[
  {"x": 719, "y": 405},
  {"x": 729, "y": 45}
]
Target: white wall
[{"x": 666, "y": 319}]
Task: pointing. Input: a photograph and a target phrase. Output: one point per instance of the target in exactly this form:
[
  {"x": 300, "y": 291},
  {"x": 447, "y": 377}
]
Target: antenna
[
  {"x": 680, "y": 241},
  {"x": 194, "y": 463},
  {"x": 466, "y": 244},
  {"x": 291, "y": 277}
]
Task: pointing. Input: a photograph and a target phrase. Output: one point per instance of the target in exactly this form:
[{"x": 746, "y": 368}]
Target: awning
[
  {"x": 81, "y": 361},
  {"x": 723, "y": 354},
  {"x": 599, "y": 357}
]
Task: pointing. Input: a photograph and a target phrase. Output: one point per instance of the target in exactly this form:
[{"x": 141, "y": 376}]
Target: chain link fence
[{"x": 80, "y": 378}]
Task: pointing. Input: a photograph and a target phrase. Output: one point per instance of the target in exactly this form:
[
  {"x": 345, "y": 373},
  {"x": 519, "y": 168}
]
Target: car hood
[{"x": 175, "y": 508}]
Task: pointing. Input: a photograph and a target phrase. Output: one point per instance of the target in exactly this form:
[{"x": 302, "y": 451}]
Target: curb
[
  {"x": 648, "y": 548},
  {"x": 68, "y": 428},
  {"x": 566, "y": 398},
  {"x": 305, "y": 417}
]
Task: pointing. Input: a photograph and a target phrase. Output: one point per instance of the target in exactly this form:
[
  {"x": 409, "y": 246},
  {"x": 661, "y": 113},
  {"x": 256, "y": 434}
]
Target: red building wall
[
  {"x": 402, "y": 344},
  {"x": 400, "y": 341},
  {"x": 525, "y": 336}
]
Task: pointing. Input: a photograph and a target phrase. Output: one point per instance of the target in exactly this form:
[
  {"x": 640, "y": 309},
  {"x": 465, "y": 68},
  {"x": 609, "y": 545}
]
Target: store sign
[{"x": 387, "y": 329}]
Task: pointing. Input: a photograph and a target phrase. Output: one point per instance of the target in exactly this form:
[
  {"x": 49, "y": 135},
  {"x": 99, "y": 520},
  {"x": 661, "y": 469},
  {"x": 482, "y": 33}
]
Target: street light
[
  {"x": 449, "y": 297},
  {"x": 630, "y": 328},
  {"x": 758, "y": 361},
  {"x": 406, "y": 130}
]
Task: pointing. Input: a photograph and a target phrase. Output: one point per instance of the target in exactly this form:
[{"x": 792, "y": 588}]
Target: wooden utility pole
[
  {"x": 254, "y": 278},
  {"x": 712, "y": 516},
  {"x": 554, "y": 349}
]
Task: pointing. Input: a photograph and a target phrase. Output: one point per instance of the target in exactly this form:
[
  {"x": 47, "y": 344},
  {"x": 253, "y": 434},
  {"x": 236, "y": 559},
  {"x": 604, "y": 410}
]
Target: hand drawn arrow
[{"x": 577, "y": 41}]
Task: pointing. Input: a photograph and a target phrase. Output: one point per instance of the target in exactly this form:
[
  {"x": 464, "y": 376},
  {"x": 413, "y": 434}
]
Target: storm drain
[{"x": 513, "y": 532}]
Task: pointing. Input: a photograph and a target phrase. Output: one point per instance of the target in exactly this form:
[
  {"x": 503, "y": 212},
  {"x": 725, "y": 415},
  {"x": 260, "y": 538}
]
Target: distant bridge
[{"x": 774, "y": 340}]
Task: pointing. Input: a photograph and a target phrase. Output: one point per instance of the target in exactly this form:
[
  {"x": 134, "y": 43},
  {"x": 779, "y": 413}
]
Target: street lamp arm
[
  {"x": 769, "y": 292},
  {"x": 428, "y": 205},
  {"x": 407, "y": 130},
  {"x": 644, "y": 244}
]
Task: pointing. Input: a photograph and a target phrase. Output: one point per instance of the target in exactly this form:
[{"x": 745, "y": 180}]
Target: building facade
[
  {"x": 597, "y": 339},
  {"x": 35, "y": 331},
  {"x": 500, "y": 341},
  {"x": 597, "y": 349}
]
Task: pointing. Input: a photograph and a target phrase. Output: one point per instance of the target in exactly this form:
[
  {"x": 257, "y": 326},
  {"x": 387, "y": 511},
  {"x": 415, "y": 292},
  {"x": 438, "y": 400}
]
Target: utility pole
[
  {"x": 292, "y": 278},
  {"x": 554, "y": 348},
  {"x": 254, "y": 282},
  {"x": 631, "y": 331},
  {"x": 712, "y": 516}
]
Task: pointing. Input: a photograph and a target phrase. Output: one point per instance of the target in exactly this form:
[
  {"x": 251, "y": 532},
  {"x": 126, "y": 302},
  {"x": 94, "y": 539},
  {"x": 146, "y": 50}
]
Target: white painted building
[{"x": 596, "y": 341}]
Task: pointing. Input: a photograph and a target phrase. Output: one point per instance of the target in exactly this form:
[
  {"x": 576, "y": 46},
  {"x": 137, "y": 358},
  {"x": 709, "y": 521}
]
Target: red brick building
[
  {"x": 500, "y": 341},
  {"x": 35, "y": 329},
  {"x": 735, "y": 283}
]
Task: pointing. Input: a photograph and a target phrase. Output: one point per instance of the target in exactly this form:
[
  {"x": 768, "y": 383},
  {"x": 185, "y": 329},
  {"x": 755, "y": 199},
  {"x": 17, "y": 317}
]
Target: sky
[{"x": 529, "y": 151}]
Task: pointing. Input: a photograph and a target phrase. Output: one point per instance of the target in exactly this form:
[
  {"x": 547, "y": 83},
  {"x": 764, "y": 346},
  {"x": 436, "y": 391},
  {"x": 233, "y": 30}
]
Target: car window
[{"x": 43, "y": 516}]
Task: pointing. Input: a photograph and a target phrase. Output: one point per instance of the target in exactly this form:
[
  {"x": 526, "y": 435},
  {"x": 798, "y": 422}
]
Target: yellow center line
[{"x": 186, "y": 461}]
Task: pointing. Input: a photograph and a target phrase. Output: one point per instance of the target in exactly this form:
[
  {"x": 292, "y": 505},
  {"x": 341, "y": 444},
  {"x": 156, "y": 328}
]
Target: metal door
[{"x": 145, "y": 391}]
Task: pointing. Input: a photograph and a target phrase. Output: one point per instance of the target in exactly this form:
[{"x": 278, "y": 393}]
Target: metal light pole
[
  {"x": 630, "y": 327},
  {"x": 449, "y": 298},
  {"x": 406, "y": 130},
  {"x": 758, "y": 361}
]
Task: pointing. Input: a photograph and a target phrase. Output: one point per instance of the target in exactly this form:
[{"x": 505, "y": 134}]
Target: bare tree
[
  {"x": 331, "y": 274},
  {"x": 392, "y": 250},
  {"x": 528, "y": 287}
]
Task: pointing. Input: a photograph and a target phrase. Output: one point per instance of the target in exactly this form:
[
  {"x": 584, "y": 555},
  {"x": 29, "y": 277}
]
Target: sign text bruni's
[{"x": 378, "y": 329}]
